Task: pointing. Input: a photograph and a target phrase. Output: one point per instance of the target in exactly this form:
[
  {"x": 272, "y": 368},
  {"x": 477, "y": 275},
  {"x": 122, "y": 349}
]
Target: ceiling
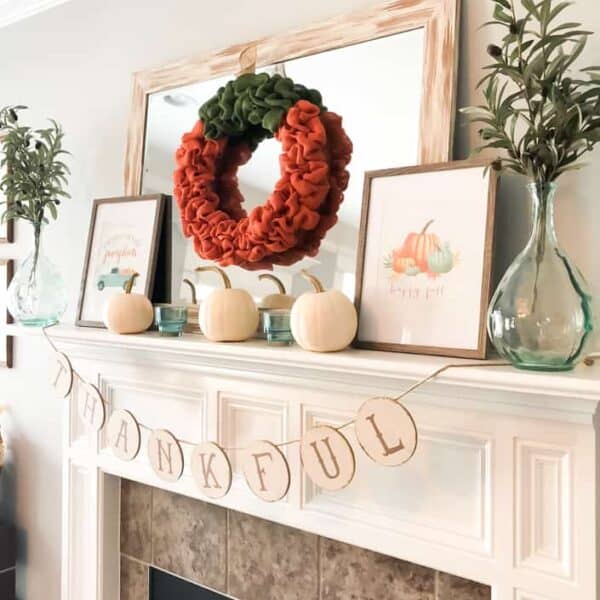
[{"x": 12, "y": 11}]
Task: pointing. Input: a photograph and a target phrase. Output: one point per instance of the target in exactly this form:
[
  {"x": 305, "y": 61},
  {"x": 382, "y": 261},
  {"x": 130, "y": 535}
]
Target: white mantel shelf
[
  {"x": 573, "y": 396},
  {"x": 503, "y": 488}
]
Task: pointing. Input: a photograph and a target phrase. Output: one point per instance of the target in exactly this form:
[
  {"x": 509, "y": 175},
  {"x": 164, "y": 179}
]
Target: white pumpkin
[
  {"x": 323, "y": 321},
  {"x": 227, "y": 315},
  {"x": 128, "y": 313},
  {"x": 276, "y": 301}
]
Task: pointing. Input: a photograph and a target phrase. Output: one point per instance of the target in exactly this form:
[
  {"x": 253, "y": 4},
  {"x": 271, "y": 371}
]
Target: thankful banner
[{"x": 385, "y": 430}]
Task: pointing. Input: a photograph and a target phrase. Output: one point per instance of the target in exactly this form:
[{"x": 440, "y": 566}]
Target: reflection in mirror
[{"x": 376, "y": 87}]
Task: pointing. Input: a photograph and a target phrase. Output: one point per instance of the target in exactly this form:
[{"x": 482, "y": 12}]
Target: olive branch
[
  {"x": 543, "y": 117},
  {"x": 34, "y": 177}
]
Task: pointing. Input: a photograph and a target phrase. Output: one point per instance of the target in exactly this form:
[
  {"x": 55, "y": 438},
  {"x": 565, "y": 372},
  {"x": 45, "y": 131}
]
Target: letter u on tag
[{"x": 327, "y": 458}]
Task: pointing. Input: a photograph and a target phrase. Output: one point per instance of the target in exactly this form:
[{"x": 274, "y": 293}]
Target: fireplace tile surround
[{"x": 254, "y": 559}]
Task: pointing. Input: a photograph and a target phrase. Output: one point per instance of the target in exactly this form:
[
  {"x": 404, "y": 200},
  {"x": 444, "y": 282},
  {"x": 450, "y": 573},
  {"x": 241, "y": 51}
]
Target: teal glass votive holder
[
  {"x": 277, "y": 327},
  {"x": 170, "y": 319}
]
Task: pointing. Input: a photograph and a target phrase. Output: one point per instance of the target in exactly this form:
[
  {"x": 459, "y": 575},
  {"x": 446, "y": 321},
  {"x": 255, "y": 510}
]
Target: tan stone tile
[
  {"x": 271, "y": 561},
  {"x": 451, "y": 587},
  {"x": 134, "y": 580},
  {"x": 136, "y": 520},
  {"x": 350, "y": 573},
  {"x": 189, "y": 538}
]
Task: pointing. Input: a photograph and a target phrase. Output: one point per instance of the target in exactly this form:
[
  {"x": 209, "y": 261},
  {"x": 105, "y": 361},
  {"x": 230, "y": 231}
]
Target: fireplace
[
  {"x": 164, "y": 586},
  {"x": 172, "y": 544},
  {"x": 488, "y": 497}
]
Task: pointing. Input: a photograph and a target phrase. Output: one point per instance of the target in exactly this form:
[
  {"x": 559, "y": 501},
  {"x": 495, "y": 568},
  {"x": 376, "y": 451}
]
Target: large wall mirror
[{"x": 389, "y": 72}]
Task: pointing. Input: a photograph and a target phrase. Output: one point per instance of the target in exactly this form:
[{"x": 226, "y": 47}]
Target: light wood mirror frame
[{"x": 439, "y": 19}]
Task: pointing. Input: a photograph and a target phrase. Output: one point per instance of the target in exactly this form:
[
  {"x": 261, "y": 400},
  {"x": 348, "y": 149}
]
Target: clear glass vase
[
  {"x": 36, "y": 295},
  {"x": 540, "y": 317}
]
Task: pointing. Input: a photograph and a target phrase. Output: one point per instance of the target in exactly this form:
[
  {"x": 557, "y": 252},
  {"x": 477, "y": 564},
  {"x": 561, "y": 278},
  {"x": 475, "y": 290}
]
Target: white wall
[{"x": 74, "y": 63}]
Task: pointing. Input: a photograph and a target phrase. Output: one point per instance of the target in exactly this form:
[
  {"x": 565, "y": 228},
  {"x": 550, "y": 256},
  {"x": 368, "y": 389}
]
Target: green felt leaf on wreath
[
  {"x": 272, "y": 119},
  {"x": 252, "y": 106}
]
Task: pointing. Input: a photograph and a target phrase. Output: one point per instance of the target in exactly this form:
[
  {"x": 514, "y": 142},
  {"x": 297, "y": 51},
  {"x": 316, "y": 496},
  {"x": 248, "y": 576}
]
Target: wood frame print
[
  {"x": 410, "y": 275},
  {"x": 151, "y": 254},
  {"x": 8, "y": 267},
  {"x": 439, "y": 19}
]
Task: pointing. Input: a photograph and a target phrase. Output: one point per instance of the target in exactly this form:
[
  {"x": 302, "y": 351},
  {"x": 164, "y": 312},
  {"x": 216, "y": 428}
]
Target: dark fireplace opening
[{"x": 164, "y": 586}]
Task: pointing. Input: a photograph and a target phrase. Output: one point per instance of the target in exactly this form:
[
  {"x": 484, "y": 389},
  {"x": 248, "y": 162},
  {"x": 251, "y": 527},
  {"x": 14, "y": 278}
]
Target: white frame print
[
  {"x": 6, "y": 341},
  {"x": 424, "y": 266},
  {"x": 124, "y": 238}
]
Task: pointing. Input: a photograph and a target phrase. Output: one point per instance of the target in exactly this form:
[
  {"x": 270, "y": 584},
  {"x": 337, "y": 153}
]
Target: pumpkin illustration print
[{"x": 421, "y": 253}]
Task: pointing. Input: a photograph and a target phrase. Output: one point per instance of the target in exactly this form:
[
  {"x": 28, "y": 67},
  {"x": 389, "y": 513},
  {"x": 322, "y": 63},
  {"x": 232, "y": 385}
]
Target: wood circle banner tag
[
  {"x": 61, "y": 376},
  {"x": 124, "y": 436},
  {"x": 211, "y": 470},
  {"x": 327, "y": 458},
  {"x": 266, "y": 470},
  {"x": 91, "y": 407},
  {"x": 386, "y": 431},
  {"x": 165, "y": 455}
]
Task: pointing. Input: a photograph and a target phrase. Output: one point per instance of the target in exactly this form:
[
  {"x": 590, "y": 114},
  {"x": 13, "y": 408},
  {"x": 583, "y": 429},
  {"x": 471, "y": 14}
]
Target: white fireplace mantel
[{"x": 503, "y": 488}]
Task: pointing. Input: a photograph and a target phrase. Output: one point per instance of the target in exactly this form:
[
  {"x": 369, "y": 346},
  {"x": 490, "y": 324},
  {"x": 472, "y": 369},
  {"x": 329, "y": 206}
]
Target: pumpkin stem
[
  {"x": 192, "y": 289},
  {"x": 427, "y": 226},
  {"x": 313, "y": 280},
  {"x": 224, "y": 276},
  {"x": 275, "y": 280},
  {"x": 130, "y": 282}
]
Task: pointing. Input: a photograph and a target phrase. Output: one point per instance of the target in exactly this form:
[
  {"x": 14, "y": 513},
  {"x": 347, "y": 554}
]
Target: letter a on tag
[
  {"x": 386, "y": 431},
  {"x": 124, "y": 437}
]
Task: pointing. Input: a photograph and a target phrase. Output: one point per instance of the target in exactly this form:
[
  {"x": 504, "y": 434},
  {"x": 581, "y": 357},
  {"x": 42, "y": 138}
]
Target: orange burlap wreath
[{"x": 298, "y": 213}]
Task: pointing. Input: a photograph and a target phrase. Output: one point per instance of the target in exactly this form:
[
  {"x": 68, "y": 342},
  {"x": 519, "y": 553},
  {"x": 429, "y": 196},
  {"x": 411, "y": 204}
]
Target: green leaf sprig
[
  {"x": 541, "y": 116},
  {"x": 35, "y": 177}
]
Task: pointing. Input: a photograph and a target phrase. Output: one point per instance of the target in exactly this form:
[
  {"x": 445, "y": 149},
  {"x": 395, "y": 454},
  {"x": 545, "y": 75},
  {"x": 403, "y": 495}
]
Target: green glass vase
[
  {"x": 36, "y": 296},
  {"x": 540, "y": 317}
]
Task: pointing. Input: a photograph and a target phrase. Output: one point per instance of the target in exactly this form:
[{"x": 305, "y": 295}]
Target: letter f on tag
[{"x": 260, "y": 469}]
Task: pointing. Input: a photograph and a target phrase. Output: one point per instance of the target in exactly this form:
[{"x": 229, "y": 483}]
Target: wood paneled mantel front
[{"x": 503, "y": 488}]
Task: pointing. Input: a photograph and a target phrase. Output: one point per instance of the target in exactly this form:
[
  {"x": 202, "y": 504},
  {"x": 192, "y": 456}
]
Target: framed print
[
  {"x": 6, "y": 341},
  {"x": 124, "y": 238},
  {"x": 424, "y": 261}
]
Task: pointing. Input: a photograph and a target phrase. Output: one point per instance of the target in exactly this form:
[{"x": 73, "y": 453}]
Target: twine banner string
[{"x": 589, "y": 361}]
